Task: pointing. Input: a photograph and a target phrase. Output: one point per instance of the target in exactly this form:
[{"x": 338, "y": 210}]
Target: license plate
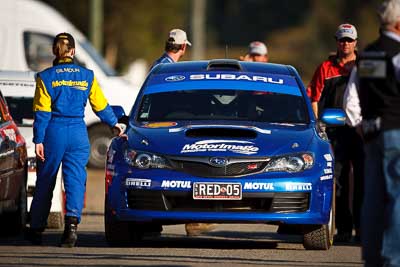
[{"x": 217, "y": 191}]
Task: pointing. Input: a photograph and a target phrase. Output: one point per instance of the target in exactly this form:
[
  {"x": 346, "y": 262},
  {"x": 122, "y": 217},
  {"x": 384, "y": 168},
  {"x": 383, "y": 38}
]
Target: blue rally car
[{"x": 221, "y": 141}]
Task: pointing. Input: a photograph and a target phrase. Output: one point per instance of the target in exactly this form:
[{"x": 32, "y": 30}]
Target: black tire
[
  {"x": 12, "y": 223},
  {"x": 320, "y": 237},
  {"x": 99, "y": 137},
  {"x": 55, "y": 220},
  {"x": 119, "y": 234}
]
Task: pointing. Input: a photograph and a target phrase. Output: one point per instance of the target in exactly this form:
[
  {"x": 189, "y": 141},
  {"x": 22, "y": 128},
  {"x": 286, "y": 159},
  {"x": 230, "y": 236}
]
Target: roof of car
[{"x": 224, "y": 65}]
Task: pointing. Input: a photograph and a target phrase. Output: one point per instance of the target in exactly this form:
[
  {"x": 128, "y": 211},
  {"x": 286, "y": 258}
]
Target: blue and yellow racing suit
[{"x": 59, "y": 104}]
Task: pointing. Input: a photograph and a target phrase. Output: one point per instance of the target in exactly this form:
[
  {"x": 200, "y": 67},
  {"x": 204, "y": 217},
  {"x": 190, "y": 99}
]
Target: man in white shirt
[{"x": 373, "y": 98}]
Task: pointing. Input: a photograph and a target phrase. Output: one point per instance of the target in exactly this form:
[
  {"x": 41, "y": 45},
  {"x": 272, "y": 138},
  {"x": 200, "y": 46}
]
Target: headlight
[
  {"x": 291, "y": 163},
  {"x": 144, "y": 160}
]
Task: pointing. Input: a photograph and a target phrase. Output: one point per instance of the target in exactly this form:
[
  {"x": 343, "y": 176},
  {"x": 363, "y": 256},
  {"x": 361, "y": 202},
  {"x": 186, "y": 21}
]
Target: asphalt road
[{"x": 227, "y": 245}]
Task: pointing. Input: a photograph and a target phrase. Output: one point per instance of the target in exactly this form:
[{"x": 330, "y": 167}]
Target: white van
[
  {"x": 18, "y": 88},
  {"x": 27, "y": 29}
]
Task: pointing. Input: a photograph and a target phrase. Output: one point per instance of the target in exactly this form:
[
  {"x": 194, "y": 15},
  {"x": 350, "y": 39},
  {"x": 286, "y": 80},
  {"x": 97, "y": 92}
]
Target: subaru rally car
[{"x": 221, "y": 141}]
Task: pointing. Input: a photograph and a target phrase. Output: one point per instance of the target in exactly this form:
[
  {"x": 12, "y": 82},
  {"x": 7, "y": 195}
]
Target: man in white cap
[
  {"x": 326, "y": 90},
  {"x": 175, "y": 47},
  {"x": 258, "y": 52}
]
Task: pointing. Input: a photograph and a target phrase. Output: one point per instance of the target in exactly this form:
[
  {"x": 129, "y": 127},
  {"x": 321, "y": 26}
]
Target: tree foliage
[{"x": 298, "y": 32}]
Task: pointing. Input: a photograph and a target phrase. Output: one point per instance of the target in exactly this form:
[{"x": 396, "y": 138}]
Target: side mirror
[
  {"x": 333, "y": 117},
  {"x": 120, "y": 114}
]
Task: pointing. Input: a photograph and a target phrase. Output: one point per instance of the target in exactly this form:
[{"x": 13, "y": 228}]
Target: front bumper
[{"x": 267, "y": 200}]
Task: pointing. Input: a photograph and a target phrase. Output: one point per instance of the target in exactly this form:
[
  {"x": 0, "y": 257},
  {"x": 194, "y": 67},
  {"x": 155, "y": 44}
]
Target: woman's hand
[
  {"x": 39, "y": 150},
  {"x": 119, "y": 129}
]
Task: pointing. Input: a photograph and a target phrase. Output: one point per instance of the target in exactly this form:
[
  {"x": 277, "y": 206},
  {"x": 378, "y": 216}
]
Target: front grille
[
  {"x": 203, "y": 169},
  {"x": 251, "y": 202},
  {"x": 145, "y": 200},
  {"x": 290, "y": 202}
]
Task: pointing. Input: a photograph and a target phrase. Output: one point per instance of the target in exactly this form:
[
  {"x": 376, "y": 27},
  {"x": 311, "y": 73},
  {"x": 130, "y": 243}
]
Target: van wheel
[
  {"x": 12, "y": 223},
  {"x": 100, "y": 137}
]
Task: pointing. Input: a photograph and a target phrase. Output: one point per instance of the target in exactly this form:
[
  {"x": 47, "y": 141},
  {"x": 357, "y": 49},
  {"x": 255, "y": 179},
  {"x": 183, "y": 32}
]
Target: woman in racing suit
[{"x": 60, "y": 136}]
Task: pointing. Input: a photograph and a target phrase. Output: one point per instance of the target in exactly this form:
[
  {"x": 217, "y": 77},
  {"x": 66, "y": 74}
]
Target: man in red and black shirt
[{"x": 326, "y": 90}]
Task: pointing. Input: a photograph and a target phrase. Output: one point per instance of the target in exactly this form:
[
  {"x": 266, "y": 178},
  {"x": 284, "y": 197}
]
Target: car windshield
[
  {"x": 21, "y": 109},
  {"x": 244, "y": 105}
]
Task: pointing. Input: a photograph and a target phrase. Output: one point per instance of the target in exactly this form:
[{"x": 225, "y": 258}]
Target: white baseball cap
[
  {"x": 258, "y": 48},
  {"x": 179, "y": 37},
  {"x": 346, "y": 30}
]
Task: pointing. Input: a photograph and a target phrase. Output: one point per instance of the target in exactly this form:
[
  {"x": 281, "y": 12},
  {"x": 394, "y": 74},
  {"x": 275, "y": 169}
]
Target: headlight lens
[
  {"x": 291, "y": 163},
  {"x": 145, "y": 160}
]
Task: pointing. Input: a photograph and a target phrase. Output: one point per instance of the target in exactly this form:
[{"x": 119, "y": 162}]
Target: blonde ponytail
[{"x": 61, "y": 48}]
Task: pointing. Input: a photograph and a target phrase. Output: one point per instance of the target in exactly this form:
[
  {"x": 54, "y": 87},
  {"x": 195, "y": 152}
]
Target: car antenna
[{"x": 226, "y": 51}]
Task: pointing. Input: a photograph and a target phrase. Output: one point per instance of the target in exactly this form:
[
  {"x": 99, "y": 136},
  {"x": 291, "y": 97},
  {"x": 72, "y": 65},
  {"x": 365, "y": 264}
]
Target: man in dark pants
[
  {"x": 376, "y": 87},
  {"x": 326, "y": 90}
]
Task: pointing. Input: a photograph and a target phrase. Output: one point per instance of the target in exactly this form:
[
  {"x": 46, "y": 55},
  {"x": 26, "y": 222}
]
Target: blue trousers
[
  {"x": 380, "y": 227},
  {"x": 66, "y": 141}
]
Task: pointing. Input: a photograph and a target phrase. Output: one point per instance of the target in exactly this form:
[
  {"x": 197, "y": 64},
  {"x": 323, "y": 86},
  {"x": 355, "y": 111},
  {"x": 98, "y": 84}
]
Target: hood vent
[
  {"x": 221, "y": 132},
  {"x": 224, "y": 64}
]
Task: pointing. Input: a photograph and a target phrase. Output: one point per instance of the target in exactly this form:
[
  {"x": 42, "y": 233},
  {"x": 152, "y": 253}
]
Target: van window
[
  {"x": 38, "y": 50},
  {"x": 21, "y": 109}
]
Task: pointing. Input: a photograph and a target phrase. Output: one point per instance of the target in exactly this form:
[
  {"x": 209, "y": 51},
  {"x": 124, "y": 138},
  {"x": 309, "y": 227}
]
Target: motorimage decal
[{"x": 235, "y": 146}]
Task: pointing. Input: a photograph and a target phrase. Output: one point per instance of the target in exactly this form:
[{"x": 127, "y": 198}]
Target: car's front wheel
[
  {"x": 12, "y": 223},
  {"x": 119, "y": 233},
  {"x": 320, "y": 237}
]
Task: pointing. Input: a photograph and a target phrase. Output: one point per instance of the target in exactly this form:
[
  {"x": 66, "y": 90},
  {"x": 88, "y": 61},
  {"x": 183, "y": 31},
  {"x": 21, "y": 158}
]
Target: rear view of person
[
  {"x": 60, "y": 136},
  {"x": 175, "y": 47}
]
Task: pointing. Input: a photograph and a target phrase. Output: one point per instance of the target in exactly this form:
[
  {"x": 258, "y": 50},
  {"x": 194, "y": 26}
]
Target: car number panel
[{"x": 217, "y": 191}]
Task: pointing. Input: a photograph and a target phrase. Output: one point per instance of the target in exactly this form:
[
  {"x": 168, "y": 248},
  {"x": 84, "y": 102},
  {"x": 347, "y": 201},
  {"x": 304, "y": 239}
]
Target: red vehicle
[{"x": 13, "y": 174}]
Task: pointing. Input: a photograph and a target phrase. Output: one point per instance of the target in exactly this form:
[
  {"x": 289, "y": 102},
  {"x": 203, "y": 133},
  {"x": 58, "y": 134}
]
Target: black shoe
[
  {"x": 33, "y": 235},
  {"x": 70, "y": 236}
]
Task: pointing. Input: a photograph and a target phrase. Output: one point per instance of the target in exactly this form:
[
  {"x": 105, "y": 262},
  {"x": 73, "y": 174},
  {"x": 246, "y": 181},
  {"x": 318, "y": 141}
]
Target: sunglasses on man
[{"x": 346, "y": 39}]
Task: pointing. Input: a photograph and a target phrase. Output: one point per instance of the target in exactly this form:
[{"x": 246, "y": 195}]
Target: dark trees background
[{"x": 297, "y": 32}]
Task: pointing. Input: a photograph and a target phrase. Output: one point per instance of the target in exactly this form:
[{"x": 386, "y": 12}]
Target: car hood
[{"x": 238, "y": 139}]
